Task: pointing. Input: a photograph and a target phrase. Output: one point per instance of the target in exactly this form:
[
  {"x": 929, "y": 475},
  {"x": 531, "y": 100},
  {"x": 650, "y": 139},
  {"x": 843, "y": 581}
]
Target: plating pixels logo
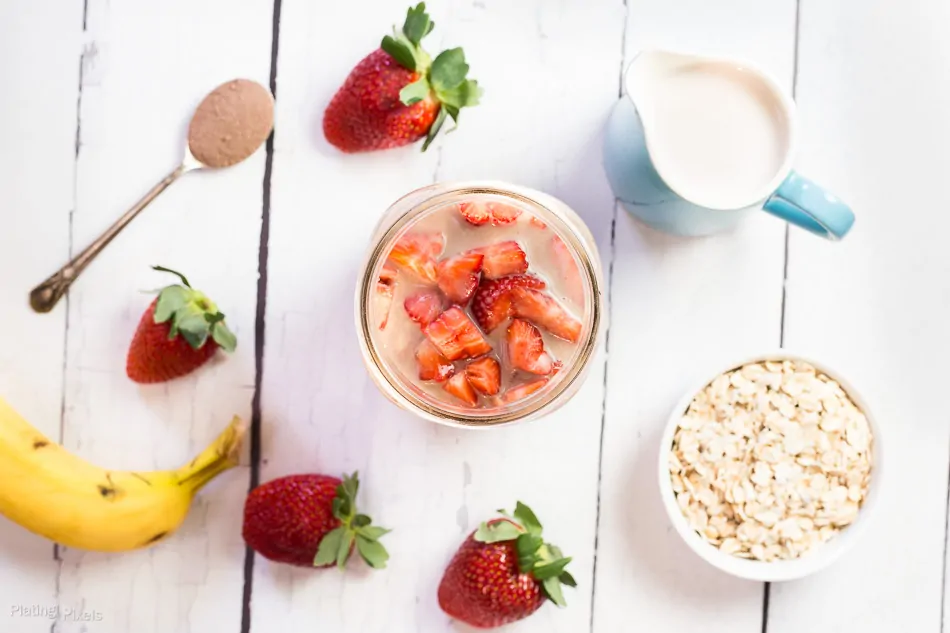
[{"x": 55, "y": 612}]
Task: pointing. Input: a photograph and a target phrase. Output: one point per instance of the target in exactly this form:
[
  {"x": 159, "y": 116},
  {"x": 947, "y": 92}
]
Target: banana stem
[{"x": 221, "y": 455}]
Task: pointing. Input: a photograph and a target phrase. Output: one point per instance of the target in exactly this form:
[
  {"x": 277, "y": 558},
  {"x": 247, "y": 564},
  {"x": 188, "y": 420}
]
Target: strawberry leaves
[
  {"x": 356, "y": 530},
  {"x": 497, "y": 531},
  {"x": 402, "y": 52},
  {"x": 443, "y": 79},
  {"x": 447, "y": 77},
  {"x": 418, "y": 24},
  {"x": 192, "y": 315},
  {"x": 404, "y": 45},
  {"x": 542, "y": 560}
]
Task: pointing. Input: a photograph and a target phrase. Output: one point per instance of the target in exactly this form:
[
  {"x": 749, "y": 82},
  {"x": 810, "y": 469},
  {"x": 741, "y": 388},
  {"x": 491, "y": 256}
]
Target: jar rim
[{"x": 393, "y": 386}]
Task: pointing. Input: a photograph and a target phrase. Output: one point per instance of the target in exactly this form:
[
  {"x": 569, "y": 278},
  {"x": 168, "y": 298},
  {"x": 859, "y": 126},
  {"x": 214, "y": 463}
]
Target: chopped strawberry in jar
[
  {"x": 543, "y": 310},
  {"x": 424, "y": 306},
  {"x": 456, "y": 336},
  {"x": 458, "y": 276},
  {"x": 459, "y": 386},
  {"x": 504, "y": 258},
  {"x": 526, "y": 349}
]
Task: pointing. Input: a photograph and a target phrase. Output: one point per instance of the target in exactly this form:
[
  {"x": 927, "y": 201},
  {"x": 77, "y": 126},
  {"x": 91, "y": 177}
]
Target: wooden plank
[
  {"x": 40, "y": 45},
  {"x": 321, "y": 412},
  {"x": 875, "y": 130},
  {"x": 146, "y": 68},
  {"x": 681, "y": 308}
]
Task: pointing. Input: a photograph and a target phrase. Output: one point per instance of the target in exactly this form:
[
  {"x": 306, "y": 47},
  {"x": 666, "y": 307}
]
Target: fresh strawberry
[
  {"x": 311, "y": 521},
  {"x": 423, "y": 307},
  {"x": 481, "y": 212},
  {"x": 455, "y": 336},
  {"x": 504, "y": 572},
  {"x": 485, "y": 375},
  {"x": 398, "y": 94},
  {"x": 385, "y": 288},
  {"x": 504, "y": 258},
  {"x": 526, "y": 349},
  {"x": 541, "y": 309},
  {"x": 523, "y": 391},
  {"x": 417, "y": 252},
  {"x": 567, "y": 266},
  {"x": 458, "y": 276},
  {"x": 179, "y": 332},
  {"x": 536, "y": 223},
  {"x": 432, "y": 364},
  {"x": 492, "y": 303},
  {"x": 459, "y": 386}
]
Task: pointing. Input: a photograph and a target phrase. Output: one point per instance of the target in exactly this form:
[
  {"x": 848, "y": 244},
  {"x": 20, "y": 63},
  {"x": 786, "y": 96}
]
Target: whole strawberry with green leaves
[
  {"x": 180, "y": 331},
  {"x": 398, "y": 94},
  {"x": 504, "y": 572},
  {"x": 311, "y": 520}
]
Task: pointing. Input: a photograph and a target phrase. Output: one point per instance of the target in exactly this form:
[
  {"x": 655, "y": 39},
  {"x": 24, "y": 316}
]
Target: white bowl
[{"x": 810, "y": 562}]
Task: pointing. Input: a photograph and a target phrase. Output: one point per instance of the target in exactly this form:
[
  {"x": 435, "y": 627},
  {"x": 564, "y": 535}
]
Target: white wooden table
[{"x": 95, "y": 98}]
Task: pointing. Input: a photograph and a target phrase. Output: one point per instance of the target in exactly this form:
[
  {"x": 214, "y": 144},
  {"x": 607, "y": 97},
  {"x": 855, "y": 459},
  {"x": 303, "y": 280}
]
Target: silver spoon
[{"x": 229, "y": 125}]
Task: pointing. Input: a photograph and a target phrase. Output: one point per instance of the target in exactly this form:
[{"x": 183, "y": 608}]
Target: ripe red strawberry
[
  {"x": 459, "y": 386},
  {"x": 480, "y": 212},
  {"x": 397, "y": 94},
  {"x": 523, "y": 391},
  {"x": 567, "y": 266},
  {"x": 542, "y": 309},
  {"x": 458, "y": 276},
  {"x": 179, "y": 332},
  {"x": 455, "y": 336},
  {"x": 311, "y": 521},
  {"x": 504, "y": 258},
  {"x": 417, "y": 252},
  {"x": 432, "y": 364},
  {"x": 504, "y": 572},
  {"x": 526, "y": 349},
  {"x": 485, "y": 375},
  {"x": 423, "y": 307},
  {"x": 492, "y": 303},
  {"x": 385, "y": 289}
]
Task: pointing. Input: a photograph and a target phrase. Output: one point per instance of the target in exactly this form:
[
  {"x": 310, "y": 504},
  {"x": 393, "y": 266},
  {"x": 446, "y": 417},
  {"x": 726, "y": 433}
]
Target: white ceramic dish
[{"x": 781, "y": 570}]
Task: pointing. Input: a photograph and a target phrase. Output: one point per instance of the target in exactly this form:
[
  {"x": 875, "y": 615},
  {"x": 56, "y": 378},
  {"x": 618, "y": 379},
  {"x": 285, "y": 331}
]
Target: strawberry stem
[{"x": 162, "y": 269}]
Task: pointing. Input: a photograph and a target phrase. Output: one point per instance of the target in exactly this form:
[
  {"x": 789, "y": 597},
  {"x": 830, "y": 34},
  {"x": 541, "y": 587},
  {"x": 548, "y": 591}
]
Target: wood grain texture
[
  {"x": 875, "y": 130},
  {"x": 145, "y": 68},
  {"x": 681, "y": 309},
  {"x": 38, "y": 123},
  {"x": 321, "y": 412},
  {"x": 872, "y": 104}
]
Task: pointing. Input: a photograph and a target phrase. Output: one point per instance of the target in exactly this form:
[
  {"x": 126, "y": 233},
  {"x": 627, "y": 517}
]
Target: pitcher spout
[{"x": 647, "y": 69}]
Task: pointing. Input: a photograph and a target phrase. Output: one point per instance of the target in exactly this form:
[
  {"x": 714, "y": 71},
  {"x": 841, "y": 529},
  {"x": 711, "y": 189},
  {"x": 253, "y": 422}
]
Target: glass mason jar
[{"x": 380, "y": 361}]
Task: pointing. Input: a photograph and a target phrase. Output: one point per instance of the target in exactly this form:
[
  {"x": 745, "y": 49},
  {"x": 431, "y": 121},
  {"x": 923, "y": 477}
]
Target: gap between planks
[{"x": 259, "y": 323}]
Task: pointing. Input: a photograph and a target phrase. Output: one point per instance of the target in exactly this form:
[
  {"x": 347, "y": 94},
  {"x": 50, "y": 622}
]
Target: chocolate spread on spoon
[{"x": 231, "y": 123}]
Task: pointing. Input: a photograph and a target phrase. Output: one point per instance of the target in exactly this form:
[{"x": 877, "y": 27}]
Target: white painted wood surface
[{"x": 122, "y": 77}]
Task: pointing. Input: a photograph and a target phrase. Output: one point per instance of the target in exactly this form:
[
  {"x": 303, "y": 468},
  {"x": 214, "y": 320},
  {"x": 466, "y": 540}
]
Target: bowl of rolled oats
[{"x": 770, "y": 469}]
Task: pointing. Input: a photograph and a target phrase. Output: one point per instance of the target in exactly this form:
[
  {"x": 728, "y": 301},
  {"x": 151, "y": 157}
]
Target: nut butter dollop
[{"x": 231, "y": 123}]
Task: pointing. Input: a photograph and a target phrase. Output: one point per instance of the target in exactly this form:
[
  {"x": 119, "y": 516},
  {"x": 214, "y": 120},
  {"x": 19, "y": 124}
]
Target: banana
[{"x": 55, "y": 494}]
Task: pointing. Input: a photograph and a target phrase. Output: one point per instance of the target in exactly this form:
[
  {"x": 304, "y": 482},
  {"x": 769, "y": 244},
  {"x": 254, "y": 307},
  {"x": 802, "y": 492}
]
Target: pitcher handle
[{"x": 804, "y": 203}]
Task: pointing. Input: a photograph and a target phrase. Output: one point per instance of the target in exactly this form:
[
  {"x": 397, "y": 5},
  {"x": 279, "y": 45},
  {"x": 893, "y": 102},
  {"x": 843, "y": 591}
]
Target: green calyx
[
  {"x": 355, "y": 529},
  {"x": 192, "y": 315},
  {"x": 542, "y": 560},
  {"x": 444, "y": 78}
]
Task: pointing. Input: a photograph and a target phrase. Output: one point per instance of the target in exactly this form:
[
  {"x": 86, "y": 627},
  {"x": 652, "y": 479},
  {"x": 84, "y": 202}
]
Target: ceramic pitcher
[{"x": 632, "y": 146}]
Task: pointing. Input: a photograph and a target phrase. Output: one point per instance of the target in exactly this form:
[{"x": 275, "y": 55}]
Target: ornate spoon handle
[{"x": 46, "y": 295}]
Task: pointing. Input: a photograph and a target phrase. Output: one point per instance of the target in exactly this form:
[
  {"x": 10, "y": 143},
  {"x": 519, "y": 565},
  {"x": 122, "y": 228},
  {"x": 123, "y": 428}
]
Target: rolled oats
[{"x": 770, "y": 460}]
